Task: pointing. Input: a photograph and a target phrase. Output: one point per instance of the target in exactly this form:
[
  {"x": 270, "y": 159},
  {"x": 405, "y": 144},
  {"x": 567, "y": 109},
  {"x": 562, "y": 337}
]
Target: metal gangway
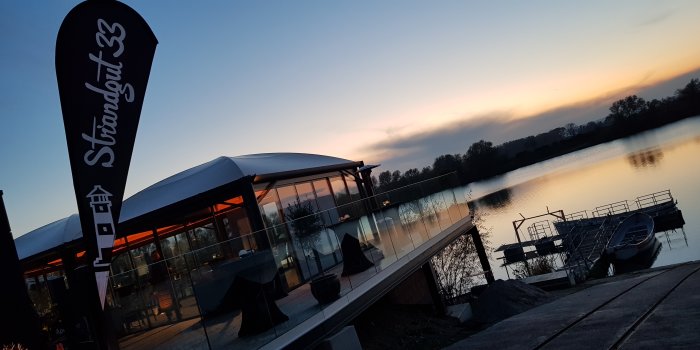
[{"x": 581, "y": 237}]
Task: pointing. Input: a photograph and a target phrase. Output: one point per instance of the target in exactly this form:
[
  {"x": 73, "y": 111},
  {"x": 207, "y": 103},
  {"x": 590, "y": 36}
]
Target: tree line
[{"x": 483, "y": 159}]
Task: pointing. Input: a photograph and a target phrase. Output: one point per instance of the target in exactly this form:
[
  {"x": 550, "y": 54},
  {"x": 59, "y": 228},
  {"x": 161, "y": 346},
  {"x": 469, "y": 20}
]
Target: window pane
[
  {"x": 339, "y": 190},
  {"x": 235, "y": 226},
  {"x": 352, "y": 187},
  {"x": 306, "y": 194},
  {"x": 329, "y": 244},
  {"x": 272, "y": 218},
  {"x": 282, "y": 249},
  {"x": 326, "y": 203},
  {"x": 356, "y": 209},
  {"x": 121, "y": 265},
  {"x": 141, "y": 257},
  {"x": 287, "y": 196},
  {"x": 205, "y": 244}
]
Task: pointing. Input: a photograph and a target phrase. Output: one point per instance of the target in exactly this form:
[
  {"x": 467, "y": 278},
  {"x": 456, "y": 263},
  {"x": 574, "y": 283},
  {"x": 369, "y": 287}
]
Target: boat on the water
[{"x": 633, "y": 245}]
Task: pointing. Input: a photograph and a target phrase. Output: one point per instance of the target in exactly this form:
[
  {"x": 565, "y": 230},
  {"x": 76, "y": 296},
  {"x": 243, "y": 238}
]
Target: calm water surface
[{"x": 663, "y": 159}]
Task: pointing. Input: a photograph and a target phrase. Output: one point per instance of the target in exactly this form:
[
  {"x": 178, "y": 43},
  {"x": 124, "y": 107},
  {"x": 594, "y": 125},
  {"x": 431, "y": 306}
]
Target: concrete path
[{"x": 655, "y": 309}]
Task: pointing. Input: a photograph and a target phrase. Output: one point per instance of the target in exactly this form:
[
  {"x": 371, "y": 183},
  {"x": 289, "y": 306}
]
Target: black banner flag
[{"x": 104, "y": 52}]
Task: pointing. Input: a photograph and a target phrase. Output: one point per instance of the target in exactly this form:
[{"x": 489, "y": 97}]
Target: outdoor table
[
  {"x": 354, "y": 260},
  {"x": 214, "y": 287},
  {"x": 255, "y": 289}
]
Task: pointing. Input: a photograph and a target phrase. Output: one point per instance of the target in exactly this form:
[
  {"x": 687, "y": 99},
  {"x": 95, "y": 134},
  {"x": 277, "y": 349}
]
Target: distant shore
[{"x": 483, "y": 160}]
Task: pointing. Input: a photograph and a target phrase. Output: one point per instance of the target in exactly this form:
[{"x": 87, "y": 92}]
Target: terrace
[{"x": 398, "y": 240}]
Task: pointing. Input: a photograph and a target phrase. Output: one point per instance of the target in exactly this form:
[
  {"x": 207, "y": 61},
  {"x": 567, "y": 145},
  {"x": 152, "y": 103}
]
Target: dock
[
  {"x": 580, "y": 238},
  {"x": 651, "y": 309}
]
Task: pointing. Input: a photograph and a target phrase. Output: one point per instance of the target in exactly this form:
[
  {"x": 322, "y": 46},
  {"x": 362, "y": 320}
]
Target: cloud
[
  {"x": 417, "y": 150},
  {"x": 658, "y": 18}
]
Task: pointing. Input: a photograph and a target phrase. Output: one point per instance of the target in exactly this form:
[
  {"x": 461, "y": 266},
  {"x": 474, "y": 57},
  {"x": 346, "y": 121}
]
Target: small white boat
[{"x": 633, "y": 244}]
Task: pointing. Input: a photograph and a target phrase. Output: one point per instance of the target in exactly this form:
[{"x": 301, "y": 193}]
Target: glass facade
[
  {"x": 301, "y": 257},
  {"x": 155, "y": 275},
  {"x": 210, "y": 269},
  {"x": 226, "y": 236},
  {"x": 149, "y": 289},
  {"x": 280, "y": 240},
  {"x": 326, "y": 202}
]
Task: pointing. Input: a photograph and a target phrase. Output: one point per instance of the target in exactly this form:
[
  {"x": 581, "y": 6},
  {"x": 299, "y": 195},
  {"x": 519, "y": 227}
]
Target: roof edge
[{"x": 304, "y": 172}]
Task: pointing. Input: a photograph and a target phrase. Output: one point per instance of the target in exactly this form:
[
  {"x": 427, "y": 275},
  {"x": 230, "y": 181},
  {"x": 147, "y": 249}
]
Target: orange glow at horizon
[
  {"x": 530, "y": 98},
  {"x": 524, "y": 100}
]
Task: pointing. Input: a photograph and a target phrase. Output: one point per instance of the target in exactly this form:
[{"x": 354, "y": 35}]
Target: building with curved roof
[
  {"x": 218, "y": 211},
  {"x": 187, "y": 189}
]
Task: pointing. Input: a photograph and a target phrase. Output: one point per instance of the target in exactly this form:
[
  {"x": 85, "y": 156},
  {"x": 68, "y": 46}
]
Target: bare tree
[
  {"x": 458, "y": 267},
  {"x": 538, "y": 266}
]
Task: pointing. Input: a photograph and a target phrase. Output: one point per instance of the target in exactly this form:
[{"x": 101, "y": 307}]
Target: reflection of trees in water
[
  {"x": 646, "y": 158},
  {"x": 496, "y": 200}
]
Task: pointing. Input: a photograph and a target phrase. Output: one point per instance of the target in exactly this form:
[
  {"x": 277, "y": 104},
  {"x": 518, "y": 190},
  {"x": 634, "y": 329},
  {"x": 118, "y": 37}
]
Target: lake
[{"x": 657, "y": 160}]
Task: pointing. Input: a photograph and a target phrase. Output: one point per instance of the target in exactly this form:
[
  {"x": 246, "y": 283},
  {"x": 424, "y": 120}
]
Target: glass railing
[{"x": 220, "y": 296}]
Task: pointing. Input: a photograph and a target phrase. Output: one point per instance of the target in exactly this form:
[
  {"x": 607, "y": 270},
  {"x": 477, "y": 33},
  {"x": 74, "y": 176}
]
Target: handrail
[
  {"x": 607, "y": 213},
  {"x": 601, "y": 234},
  {"x": 611, "y": 209},
  {"x": 204, "y": 271},
  {"x": 583, "y": 214},
  {"x": 652, "y": 199},
  {"x": 587, "y": 260}
]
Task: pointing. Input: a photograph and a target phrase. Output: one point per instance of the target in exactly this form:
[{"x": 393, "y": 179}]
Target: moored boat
[{"x": 633, "y": 245}]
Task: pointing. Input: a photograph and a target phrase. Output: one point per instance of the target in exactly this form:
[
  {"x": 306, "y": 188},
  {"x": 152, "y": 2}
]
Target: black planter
[{"x": 325, "y": 288}]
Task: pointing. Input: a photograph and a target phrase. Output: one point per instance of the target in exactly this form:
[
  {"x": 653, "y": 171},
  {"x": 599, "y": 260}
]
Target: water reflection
[
  {"x": 674, "y": 238},
  {"x": 496, "y": 200},
  {"x": 603, "y": 174},
  {"x": 646, "y": 263},
  {"x": 646, "y": 158}
]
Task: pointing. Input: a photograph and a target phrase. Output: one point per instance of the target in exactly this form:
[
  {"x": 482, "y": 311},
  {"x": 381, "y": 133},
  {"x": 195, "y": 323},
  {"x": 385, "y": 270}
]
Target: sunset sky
[{"x": 390, "y": 82}]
